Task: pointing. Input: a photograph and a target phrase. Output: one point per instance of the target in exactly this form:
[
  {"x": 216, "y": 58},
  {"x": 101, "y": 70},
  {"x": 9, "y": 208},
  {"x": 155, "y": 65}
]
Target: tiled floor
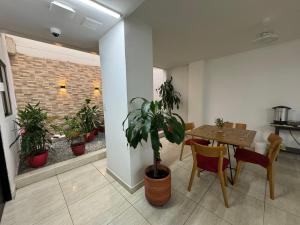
[{"x": 89, "y": 196}]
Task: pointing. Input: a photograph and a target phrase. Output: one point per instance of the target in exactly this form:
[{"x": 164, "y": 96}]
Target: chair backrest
[
  {"x": 189, "y": 126},
  {"x": 274, "y": 148},
  {"x": 242, "y": 126},
  {"x": 228, "y": 125},
  {"x": 208, "y": 151}
]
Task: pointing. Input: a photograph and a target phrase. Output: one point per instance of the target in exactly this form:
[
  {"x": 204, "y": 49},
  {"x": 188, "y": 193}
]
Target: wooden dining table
[{"x": 228, "y": 136}]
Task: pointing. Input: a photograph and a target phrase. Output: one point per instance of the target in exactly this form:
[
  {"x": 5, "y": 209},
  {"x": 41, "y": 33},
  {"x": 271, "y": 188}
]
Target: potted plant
[
  {"x": 146, "y": 122},
  {"x": 99, "y": 124},
  {"x": 169, "y": 96},
  {"x": 33, "y": 133},
  {"x": 88, "y": 116},
  {"x": 73, "y": 133},
  {"x": 220, "y": 124}
]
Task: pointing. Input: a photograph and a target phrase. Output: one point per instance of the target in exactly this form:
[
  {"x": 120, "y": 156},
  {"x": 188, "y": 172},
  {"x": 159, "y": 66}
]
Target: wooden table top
[{"x": 232, "y": 136}]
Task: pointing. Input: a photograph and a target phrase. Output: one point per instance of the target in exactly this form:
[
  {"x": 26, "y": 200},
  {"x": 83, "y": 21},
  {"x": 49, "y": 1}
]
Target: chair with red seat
[
  {"x": 191, "y": 126},
  {"x": 266, "y": 161},
  {"x": 210, "y": 159}
]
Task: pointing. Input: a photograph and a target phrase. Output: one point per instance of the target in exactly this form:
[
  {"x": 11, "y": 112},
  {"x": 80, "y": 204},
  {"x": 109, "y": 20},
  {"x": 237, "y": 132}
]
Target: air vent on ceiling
[
  {"x": 59, "y": 8},
  {"x": 266, "y": 37},
  {"x": 91, "y": 23}
]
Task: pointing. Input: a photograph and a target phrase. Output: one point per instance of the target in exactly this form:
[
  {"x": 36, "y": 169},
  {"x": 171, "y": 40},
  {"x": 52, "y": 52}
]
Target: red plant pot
[
  {"x": 89, "y": 136},
  {"x": 101, "y": 129},
  {"x": 38, "y": 160},
  {"x": 96, "y": 131},
  {"x": 78, "y": 149}
]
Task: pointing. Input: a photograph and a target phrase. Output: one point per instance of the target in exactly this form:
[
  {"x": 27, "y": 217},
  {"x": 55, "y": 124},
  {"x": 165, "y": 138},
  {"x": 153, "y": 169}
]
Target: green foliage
[
  {"x": 89, "y": 117},
  {"x": 219, "y": 123},
  {"x": 33, "y": 131},
  {"x": 169, "y": 96},
  {"x": 71, "y": 128},
  {"x": 149, "y": 119}
]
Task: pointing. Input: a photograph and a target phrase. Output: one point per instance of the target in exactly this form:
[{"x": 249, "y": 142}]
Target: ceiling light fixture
[
  {"x": 61, "y": 5},
  {"x": 101, "y": 8}
]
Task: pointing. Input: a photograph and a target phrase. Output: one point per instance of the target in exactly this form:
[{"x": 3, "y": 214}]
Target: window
[{"x": 4, "y": 91}]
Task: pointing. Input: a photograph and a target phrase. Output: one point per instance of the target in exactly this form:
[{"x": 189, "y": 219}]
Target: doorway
[{"x": 5, "y": 193}]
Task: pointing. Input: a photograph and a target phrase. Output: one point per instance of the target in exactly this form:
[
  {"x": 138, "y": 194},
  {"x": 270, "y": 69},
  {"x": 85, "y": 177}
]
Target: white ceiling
[
  {"x": 32, "y": 19},
  {"x": 189, "y": 30}
]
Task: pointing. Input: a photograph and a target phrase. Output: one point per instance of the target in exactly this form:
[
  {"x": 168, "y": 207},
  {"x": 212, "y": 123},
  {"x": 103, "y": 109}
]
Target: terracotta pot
[
  {"x": 158, "y": 191},
  {"x": 89, "y": 136},
  {"x": 38, "y": 160},
  {"x": 96, "y": 131},
  {"x": 78, "y": 149}
]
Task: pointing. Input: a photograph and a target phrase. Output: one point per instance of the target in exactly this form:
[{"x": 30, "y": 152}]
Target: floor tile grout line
[
  {"x": 65, "y": 200},
  {"x": 207, "y": 208},
  {"x": 102, "y": 173},
  {"x": 281, "y": 209},
  {"x": 132, "y": 204},
  {"x": 90, "y": 192},
  {"x": 198, "y": 204}
]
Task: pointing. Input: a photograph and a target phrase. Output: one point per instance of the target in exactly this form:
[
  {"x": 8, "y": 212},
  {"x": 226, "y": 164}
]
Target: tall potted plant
[
  {"x": 88, "y": 116},
  {"x": 146, "y": 122},
  {"x": 72, "y": 130},
  {"x": 169, "y": 96},
  {"x": 33, "y": 132}
]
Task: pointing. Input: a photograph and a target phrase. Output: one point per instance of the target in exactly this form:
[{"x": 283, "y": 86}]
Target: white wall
[
  {"x": 7, "y": 125},
  {"x": 44, "y": 50},
  {"x": 159, "y": 77},
  {"x": 181, "y": 84},
  {"x": 244, "y": 87}
]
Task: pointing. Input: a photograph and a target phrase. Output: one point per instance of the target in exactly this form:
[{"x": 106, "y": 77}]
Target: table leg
[{"x": 230, "y": 167}]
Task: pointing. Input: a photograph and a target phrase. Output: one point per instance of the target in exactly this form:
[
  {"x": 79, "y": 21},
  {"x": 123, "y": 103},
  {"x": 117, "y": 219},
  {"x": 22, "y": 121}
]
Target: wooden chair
[
  {"x": 245, "y": 155},
  {"x": 228, "y": 125},
  {"x": 241, "y": 126},
  {"x": 210, "y": 159},
  {"x": 191, "y": 126}
]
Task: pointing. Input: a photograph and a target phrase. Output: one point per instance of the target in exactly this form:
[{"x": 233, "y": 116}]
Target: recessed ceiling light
[
  {"x": 101, "y": 8},
  {"x": 61, "y": 5}
]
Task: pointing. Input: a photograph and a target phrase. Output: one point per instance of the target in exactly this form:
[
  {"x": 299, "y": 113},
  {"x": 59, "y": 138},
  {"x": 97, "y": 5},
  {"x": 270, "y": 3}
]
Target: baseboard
[
  {"x": 58, "y": 168},
  {"x": 125, "y": 185}
]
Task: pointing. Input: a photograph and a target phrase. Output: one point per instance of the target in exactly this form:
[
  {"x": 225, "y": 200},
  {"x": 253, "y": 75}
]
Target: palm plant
[
  {"x": 148, "y": 120},
  {"x": 169, "y": 96},
  {"x": 33, "y": 131}
]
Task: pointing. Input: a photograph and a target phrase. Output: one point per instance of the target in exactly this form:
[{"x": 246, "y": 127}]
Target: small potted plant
[
  {"x": 34, "y": 135},
  {"x": 146, "y": 122},
  {"x": 220, "y": 124},
  {"x": 88, "y": 116},
  {"x": 73, "y": 133}
]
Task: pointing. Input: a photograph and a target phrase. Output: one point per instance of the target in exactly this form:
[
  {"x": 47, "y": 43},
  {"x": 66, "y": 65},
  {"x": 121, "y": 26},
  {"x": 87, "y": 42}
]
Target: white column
[{"x": 126, "y": 64}]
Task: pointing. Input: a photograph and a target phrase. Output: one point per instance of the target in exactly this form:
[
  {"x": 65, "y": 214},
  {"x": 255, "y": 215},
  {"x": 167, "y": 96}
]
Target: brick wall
[{"x": 38, "y": 80}]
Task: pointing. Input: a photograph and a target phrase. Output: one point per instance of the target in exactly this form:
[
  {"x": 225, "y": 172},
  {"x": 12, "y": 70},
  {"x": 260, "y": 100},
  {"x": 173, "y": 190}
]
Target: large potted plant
[
  {"x": 88, "y": 116},
  {"x": 169, "y": 96},
  {"x": 146, "y": 122},
  {"x": 34, "y": 135},
  {"x": 72, "y": 130}
]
